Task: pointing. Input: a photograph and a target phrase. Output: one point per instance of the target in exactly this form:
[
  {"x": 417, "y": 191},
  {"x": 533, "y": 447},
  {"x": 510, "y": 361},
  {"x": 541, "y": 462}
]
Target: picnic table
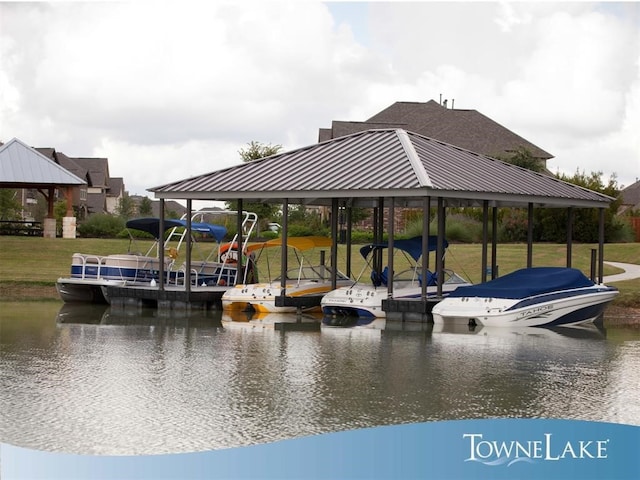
[{"x": 16, "y": 227}]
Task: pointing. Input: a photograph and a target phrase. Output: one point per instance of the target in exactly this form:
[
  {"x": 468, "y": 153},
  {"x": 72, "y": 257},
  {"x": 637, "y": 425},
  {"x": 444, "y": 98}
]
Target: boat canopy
[
  {"x": 300, "y": 243},
  {"x": 526, "y": 283},
  {"x": 152, "y": 225},
  {"x": 413, "y": 246},
  {"x": 216, "y": 231}
]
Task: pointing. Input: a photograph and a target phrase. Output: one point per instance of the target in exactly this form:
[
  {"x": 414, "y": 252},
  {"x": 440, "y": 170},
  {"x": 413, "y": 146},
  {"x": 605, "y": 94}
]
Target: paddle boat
[
  {"x": 91, "y": 274},
  {"x": 531, "y": 297},
  {"x": 364, "y": 298},
  {"x": 307, "y": 279}
]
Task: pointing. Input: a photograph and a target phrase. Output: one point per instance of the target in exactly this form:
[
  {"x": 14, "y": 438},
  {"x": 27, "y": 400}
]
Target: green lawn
[{"x": 42, "y": 260}]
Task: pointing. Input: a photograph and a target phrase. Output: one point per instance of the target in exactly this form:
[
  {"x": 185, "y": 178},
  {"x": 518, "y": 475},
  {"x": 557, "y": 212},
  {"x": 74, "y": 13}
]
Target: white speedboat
[
  {"x": 364, "y": 298},
  {"x": 307, "y": 279},
  {"x": 91, "y": 274},
  {"x": 531, "y": 297}
]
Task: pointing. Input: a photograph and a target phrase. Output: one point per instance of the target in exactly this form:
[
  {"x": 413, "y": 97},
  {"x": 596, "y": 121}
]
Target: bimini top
[
  {"x": 527, "y": 283},
  {"x": 216, "y": 231},
  {"x": 300, "y": 243},
  {"x": 152, "y": 226},
  {"x": 413, "y": 246}
]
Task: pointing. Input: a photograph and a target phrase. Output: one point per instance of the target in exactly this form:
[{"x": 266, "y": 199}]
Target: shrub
[
  {"x": 514, "y": 226},
  {"x": 101, "y": 225},
  {"x": 460, "y": 228}
]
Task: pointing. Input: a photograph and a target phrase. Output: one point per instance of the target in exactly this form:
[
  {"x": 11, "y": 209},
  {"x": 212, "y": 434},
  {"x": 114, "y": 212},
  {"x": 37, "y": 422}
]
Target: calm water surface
[{"x": 93, "y": 381}]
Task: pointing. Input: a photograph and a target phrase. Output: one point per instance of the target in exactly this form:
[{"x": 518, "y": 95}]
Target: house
[
  {"x": 468, "y": 129},
  {"x": 630, "y": 198},
  {"x": 102, "y": 193},
  {"x": 630, "y": 206}
]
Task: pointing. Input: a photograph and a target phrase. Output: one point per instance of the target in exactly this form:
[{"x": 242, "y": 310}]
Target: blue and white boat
[
  {"x": 364, "y": 298},
  {"x": 531, "y": 297},
  {"x": 91, "y": 274}
]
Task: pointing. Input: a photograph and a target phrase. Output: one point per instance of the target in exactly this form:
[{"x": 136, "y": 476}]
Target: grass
[{"x": 30, "y": 266}]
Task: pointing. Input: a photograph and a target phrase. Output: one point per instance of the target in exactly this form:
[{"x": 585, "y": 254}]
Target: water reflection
[
  {"x": 93, "y": 314},
  {"x": 92, "y": 379}
]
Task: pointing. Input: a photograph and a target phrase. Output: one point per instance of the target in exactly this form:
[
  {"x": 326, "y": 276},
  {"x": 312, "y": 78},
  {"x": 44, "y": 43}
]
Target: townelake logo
[{"x": 547, "y": 448}]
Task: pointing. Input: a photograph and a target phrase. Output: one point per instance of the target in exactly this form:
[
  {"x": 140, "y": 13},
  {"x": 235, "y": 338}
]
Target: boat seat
[
  {"x": 381, "y": 278},
  {"x": 432, "y": 279}
]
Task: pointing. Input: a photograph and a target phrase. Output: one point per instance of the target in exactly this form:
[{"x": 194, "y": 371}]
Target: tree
[
  {"x": 550, "y": 223},
  {"x": 255, "y": 151},
  {"x": 9, "y": 205},
  {"x": 126, "y": 208},
  {"x": 145, "y": 209},
  {"x": 258, "y": 150},
  {"x": 525, "y": 159}
]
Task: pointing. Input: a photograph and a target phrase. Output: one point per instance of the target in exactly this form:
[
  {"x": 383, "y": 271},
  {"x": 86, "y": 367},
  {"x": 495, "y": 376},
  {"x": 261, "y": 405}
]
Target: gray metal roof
[
  {"x": 382, "y": 163},
  {"x": 21, "y": 165}
]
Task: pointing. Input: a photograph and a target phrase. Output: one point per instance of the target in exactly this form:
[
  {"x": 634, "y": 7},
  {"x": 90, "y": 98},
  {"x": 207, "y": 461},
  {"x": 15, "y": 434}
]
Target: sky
[{"x": 170, "y": 90}]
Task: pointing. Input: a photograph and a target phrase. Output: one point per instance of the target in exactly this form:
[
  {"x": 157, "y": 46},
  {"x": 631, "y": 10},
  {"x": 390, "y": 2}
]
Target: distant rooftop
[{"x": 468, "y": 129}]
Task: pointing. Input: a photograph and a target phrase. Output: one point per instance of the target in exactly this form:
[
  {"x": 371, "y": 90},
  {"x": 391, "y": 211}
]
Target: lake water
[{"x": 90, "y": 380}]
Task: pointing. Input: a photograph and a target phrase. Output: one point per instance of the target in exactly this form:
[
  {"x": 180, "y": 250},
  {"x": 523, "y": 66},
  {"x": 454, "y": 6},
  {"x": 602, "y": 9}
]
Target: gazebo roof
[
  {"x": 368, "y": 165},
  {"x": 24, "y": 167}
]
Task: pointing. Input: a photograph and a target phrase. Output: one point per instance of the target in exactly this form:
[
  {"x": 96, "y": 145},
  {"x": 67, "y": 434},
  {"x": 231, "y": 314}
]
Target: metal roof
[
  {"x": 21, "y": 165},
  {"x": 368, "y": 165}
]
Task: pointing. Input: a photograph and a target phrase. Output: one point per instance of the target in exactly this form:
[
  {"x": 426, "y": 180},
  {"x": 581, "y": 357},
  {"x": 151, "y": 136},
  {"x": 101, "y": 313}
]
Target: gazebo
[
  {"x": 387, "y": 169},
  {"x": 24, "y": 167}
]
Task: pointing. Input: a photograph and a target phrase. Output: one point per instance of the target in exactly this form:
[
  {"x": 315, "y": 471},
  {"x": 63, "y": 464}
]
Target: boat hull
[
  {"x": 74, "y": 290},
  {"x": 557, "y": 309},
  {"x": 260, "y": 297},
  {"x": 366, "y": 301}
]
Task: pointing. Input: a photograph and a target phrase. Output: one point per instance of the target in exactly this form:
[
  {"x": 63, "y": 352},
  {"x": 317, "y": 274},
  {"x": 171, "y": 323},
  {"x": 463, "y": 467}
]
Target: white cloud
[{"x": 174, "y": 89}]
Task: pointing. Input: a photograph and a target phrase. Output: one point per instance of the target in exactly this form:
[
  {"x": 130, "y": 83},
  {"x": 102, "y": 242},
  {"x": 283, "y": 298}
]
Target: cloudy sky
[{"x": 169, "y": 90}]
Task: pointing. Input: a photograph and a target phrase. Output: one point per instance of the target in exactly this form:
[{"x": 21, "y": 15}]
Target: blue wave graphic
[{"x": 424, "y": 450}]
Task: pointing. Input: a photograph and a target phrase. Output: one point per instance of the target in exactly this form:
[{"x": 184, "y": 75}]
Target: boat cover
[
  {"x": 413, "y": 246},
  {"x": 526, "y": 283},
  {"x": 152, "y": 225},
  {"x": 216, "y": 231}
]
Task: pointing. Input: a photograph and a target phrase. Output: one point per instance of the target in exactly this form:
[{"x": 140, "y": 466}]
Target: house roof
[
  {"x": 97, "y": 170},
  {"x": 365, "y": 166},
  {"x": 468, "y": 129},
  {"x": 631, "y": 195},
  {"x": 22, "y": 166},
  {"x": 68, "y": 163},
  {"x": 97, "y": 202},
  {"x": 116, "y": 186}
]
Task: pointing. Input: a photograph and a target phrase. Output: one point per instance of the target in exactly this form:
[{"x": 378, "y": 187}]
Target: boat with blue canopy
[
  {"x": 364, "y": 297},
  {"x": 91, "y": 274}
]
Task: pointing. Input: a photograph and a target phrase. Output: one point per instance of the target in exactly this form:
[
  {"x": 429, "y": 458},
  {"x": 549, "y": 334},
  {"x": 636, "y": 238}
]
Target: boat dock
[
  {"x": 409, "y": 309},
  {"x": 169, "y": 298},
  {"x": 198, "y": 298}
]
